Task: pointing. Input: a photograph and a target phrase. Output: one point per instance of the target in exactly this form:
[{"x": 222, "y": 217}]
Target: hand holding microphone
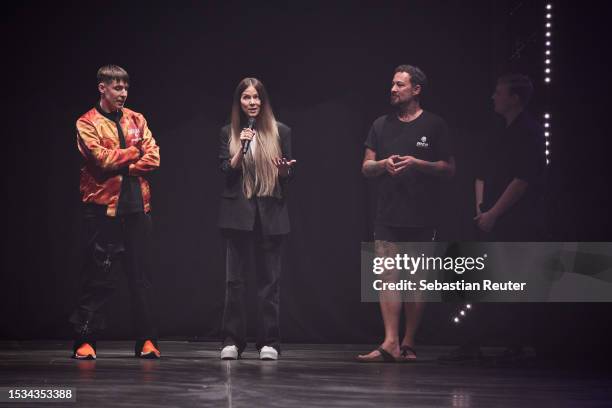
[{"x": 247, "y": 135}]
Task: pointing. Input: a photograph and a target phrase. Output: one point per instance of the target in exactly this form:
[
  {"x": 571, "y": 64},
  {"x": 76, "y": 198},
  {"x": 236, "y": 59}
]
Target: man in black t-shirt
[
  {"x": 509, "y": 182},
  {"x": 508, "y": 189},
  {"x": 409, "y": 152}
]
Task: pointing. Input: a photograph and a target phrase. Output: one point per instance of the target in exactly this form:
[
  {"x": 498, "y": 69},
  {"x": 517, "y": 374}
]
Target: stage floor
[{"x": 191, "y": 375}]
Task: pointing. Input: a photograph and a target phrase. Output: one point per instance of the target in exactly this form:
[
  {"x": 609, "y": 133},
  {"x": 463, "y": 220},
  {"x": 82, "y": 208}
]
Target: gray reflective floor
[{"x": 190, "y": 374}]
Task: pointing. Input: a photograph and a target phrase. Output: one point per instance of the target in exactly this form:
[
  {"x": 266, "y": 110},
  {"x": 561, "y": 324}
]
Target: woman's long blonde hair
[{"x": 260, "y": 175}]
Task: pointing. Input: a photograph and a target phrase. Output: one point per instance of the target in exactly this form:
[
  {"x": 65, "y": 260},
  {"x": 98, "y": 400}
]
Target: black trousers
[
  {"x": 112, "y": 244},
  {"x": 501, "y": 323},
  {"x": 246, "y": 249}
]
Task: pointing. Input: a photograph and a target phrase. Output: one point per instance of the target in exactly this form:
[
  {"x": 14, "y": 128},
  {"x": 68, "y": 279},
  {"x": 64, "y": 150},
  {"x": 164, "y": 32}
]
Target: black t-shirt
[
  {"x": 412, "y": 198},
  {"x": 130, "y": 197},
  {"x": 515, "y": 151}
]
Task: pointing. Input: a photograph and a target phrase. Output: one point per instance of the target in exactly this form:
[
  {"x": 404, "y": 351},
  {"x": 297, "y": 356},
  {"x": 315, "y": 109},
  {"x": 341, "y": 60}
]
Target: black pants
[
  {"x": 245, "y": 249},
  {"x": 500, "y": 323},
  {"x": 113, "y": 243}
]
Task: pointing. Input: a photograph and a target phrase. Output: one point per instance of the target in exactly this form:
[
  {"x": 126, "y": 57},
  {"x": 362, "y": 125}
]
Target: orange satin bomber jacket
[{"x": 98, "y": 142}]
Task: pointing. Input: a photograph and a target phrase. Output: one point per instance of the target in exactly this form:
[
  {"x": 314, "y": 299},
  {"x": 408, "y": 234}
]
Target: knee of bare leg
[{"x": 389, "y": 275}]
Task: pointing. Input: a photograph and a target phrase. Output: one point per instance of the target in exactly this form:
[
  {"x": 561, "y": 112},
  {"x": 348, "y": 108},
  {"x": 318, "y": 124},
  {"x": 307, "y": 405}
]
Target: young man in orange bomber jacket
[{"x": 118, "y": 151}]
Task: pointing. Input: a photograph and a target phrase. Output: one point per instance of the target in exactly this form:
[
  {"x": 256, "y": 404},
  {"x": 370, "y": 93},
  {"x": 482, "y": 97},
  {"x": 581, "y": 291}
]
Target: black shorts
[{"x": 404, "y": 234}]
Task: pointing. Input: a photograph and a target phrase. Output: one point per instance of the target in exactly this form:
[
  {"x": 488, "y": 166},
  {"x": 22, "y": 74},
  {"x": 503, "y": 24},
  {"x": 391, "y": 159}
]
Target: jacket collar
[{"x": 114, "y": 116}]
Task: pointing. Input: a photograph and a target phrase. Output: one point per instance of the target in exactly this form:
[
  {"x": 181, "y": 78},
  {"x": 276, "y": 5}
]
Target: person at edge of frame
[{"x": 508, "y": 196}]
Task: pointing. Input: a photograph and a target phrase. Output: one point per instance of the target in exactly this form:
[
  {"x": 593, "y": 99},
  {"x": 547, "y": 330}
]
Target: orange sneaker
[
  {"x": 85, "y": 352},
  {"x": 149, "y": 350}
]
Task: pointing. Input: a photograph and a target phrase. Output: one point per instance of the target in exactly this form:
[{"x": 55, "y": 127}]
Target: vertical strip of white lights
[{"x": 548, "y": 42}]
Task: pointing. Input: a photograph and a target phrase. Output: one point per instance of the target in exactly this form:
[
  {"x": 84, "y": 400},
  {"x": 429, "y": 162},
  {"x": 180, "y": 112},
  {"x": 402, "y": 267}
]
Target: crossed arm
[{"x": 140, "y": 159}]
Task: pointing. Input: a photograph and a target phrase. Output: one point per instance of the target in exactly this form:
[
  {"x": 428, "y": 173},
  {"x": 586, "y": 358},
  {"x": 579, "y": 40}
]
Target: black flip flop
[
  {"x": 407, "y": 349},
  {"x": 385, "y": 355}
]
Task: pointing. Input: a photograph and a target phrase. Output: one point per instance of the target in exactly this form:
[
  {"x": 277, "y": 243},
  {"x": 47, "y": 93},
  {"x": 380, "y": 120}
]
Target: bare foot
[
  {"x": 407, "y": 350},
  {"x": 375, "y": 355}
]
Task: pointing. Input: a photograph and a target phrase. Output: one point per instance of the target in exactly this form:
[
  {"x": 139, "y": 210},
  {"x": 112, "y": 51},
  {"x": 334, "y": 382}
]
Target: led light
[
  {"x": 468, "y": 306},
  {"x": 456, "y": 320},
  {"x": 462, "y": 313},
  {"x": 547, "y": 73}
]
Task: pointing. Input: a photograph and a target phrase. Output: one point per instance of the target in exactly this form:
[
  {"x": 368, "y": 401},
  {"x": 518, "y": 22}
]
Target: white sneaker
[
  {"x": 229, "y": 353},
  {"x": 268, "y": 353}
]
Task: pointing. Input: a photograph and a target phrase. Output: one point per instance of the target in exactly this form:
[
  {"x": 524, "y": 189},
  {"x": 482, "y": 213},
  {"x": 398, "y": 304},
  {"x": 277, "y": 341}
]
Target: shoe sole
[
  {"x": 87, "y": 357},
  {"x": 230, "y": 357},
  {"x": 149, "y": 356}
]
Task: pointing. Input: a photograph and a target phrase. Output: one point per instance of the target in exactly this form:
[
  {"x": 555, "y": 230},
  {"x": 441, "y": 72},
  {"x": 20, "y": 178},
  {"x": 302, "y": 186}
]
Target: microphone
[{"x": 247, "y": 143}]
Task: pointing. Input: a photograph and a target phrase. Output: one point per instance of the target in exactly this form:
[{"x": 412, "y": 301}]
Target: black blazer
[{"x": 238, "y": 212}]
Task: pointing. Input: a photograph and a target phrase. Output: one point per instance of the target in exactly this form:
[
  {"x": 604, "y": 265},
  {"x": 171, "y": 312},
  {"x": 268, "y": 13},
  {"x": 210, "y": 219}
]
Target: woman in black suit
[{"x": 255, "y": 156}]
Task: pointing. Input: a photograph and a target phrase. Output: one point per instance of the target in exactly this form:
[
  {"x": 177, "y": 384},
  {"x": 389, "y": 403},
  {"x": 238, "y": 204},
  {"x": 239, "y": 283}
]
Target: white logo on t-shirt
[{"x": 423, "y": 142}]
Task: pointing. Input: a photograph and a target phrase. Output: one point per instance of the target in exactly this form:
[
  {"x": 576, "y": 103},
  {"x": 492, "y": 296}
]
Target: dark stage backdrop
[{"x": 327, "y": 67}]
